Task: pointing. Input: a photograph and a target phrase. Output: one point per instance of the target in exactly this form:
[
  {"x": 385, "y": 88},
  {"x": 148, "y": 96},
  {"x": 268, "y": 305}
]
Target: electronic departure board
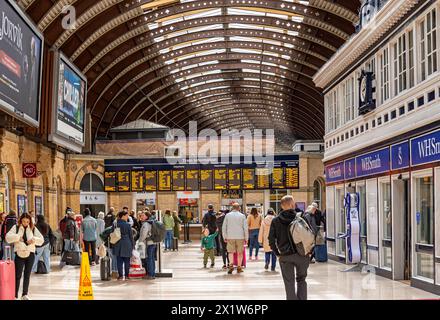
[
  {"x": 278, "y": 178},
  {"x": 151, "y": 180},
  {"x": 164, "y": 180},
  {"x": 234, "y": 179},
  {"x": 248, "y": 178},
  {"x": 263, "y": 181},
  {"x": 292, "y": 177},
  {"x": 220, "y": 181},
  {"x": 137, "y": 181},
  {"x": 110, "y": 181},
  {"x": 206, "y": 180},
  {"x": 123, "y": 181},
  {"x": 192, "y": 180},
  {"x": 178, "y": 180}
]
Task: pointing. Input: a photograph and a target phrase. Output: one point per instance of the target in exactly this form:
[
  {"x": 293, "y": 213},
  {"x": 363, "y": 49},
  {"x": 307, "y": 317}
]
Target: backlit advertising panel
[{"x": 21, "y": 53}]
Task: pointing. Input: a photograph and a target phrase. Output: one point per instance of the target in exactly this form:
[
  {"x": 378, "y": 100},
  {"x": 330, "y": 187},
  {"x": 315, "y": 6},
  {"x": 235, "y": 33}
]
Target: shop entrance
[{"x": 401, "y": 229}]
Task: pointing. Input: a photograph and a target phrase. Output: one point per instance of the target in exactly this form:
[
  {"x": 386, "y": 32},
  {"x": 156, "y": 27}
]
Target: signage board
[
  {"x": 425, "y": 149},
  {"x": 150, "y": 180},
  {"x": 124, "y": 181},
  {"x": 29, "y": 170},
  {"x": 220, "y": 179},
  {"x": 206, "y": 180},
  {"x": 234, "y": 178},
  {"x": 350, "y": 169},
  {"x": 248, "y": 175},
  {"x": 400, "y": 156},
  {"x": 373, "y": 163},
  {"x": 164, "y": 180},
  {"x": 110, "y": 181},
  {"x": 334, "y": 172}
]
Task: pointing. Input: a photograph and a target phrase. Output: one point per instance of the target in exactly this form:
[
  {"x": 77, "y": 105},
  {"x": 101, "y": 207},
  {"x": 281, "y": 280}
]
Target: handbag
[
  {"x": 72, "y": 256},
  {"x": 320, "y": 237},
  {"x": 102, "y": 251},
  {"x": 115, "y": 236},
  {"x": 41, "y": 268}
]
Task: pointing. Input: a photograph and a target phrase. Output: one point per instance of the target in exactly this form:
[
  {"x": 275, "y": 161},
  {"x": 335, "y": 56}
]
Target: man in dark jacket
[
  {"x": 220, "y": 217},
  {"x": 10, "y": 221},
  {"x": 209, "y": 221},
  {"x": 290, "y": 260},
  {"x": 109, "y": 218}
]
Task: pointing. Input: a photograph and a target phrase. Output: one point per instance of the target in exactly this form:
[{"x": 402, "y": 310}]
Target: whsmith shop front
[
  {"x": 399, "y": 188},
  {"x": 189, "y": 188}
]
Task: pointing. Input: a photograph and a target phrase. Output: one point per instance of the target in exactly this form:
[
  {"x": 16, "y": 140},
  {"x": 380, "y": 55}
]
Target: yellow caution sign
[{"x": 85, "y": 279}]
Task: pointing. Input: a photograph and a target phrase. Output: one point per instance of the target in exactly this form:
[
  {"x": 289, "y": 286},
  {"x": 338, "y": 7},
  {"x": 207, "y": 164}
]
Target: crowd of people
[{"x": 117, "y": 235}]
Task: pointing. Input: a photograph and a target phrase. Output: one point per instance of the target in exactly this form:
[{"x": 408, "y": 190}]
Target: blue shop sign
[
  {"x": 350, "y": 169},
  {"x": 400, "y": 156},
  {"x": 373, "y": 163},
  {"x": 334, "y": 172},
  {"x": 425, "y": 149}
]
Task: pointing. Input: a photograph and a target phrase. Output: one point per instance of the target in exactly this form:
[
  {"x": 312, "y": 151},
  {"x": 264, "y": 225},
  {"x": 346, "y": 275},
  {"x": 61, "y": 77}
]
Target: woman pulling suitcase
[{"x": 25, "y": 237}]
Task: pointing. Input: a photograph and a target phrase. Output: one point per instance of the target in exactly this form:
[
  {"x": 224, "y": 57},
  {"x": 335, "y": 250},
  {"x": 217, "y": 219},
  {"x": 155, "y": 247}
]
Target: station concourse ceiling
[{"x": 223, "y": 63}]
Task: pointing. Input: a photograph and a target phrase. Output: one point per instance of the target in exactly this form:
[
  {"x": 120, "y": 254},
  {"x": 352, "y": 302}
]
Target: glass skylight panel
[
  {"x": 250, "y": 61},
  {"x": 245, "y": 26},
  {"x": 171, "y": 21},
  {"x": 250, "y": 12},
  {"x": 204, "y": 14},
  {"x": 208, "y": 63},
  {"x": 250, "y": 51},
  {"x": 276, "y": 15}
]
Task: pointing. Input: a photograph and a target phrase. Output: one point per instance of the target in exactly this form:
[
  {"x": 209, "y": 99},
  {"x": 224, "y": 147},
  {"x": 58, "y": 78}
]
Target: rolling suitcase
[
  {"x": 106, "y": 269},
  {"x": 175, "y": 244},
  {"x": 7, "y": 276},
  {"x": 321, "y": 253}
]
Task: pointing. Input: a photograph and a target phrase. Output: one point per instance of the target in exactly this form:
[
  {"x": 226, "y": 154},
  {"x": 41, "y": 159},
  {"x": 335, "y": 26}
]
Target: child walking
[{"x": 208, "y": 245}]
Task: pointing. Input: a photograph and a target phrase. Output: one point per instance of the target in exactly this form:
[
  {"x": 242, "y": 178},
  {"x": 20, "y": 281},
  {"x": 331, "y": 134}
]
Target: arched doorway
[
  {"x": 317, "y": 192},
  {"x": 92, "y": 194}
]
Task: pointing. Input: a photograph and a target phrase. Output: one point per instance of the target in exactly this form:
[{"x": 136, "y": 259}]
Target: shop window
[
  {"x": 361, "y": 189},
  {"x": 386, "y": 217},
  {"x": 424, "y": 216},
  {"x": 340, "y": 220},
  {"x": 91, "y": 183}
]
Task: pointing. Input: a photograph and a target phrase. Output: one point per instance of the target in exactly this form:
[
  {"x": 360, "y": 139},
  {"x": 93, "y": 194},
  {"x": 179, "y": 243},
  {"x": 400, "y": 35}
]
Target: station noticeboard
[
  {"x": 248, "y": 178},
  {"x": 263, "y": 175},
  {"x": 220, "y": 179},
  {"x": 178, "y": 180},
  {"x": 110, "y": 181},
  {"x": 150, "y": 180},
  {"x": 206, "y": 180},
  {"x": 137, "y": 181},
  {"x": 278, "y": 178},
  {"x": 292, "y": 177},
  {"x": 164, "y": 180},
  {"x": 192, "y": 180},
  {"x": 124, "y": 181},
  {"x": 234, "y": 177}
]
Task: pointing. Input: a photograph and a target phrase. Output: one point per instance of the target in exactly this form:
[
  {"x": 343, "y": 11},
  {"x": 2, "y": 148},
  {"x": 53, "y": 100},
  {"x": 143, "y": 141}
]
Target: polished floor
[{"x": 191, "y": 282}]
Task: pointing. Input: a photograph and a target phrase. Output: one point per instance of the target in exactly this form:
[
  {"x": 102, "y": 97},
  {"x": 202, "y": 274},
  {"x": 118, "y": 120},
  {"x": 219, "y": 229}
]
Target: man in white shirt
[{"x": 235, "y": 233}]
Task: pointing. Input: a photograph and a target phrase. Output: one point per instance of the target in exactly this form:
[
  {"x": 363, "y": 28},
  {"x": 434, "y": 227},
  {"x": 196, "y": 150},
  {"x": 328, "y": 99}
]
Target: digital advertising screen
[
  {"x": 192, "y": 180},
  {"x": 150, "y": 180},
  {"x": 21, "y": 53},
  {"x": 220, "y": 179},
  {"x": 110, "y": 181},
  {"x": 124, "y": 181},
  {"x": 137, "y": 181},
  {"x": 206, "y": 180},
  {"x": 71, "y": 102},
  {"x": 234, "y": 179},
  {"x": 178, "y": 180},
  {"x": 248, "y": 178}
]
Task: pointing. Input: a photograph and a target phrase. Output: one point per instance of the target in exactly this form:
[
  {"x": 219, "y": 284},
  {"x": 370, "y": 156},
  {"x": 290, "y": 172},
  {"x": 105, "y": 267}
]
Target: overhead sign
[
  {"x": 21, "y": 53},
  {"x": 92, "y": 198},
  {"x": 400, "y": 156},
  {"x": 248, "y": 179},
  {"x": 278, "y": 178},
  {"x": 29, "y": 170},
  {"x": 110, "y": 181},
  {"x": 373, "y": 163},
  {"x": 425, "y": 149},
  {"x": 334, "y": 172}
]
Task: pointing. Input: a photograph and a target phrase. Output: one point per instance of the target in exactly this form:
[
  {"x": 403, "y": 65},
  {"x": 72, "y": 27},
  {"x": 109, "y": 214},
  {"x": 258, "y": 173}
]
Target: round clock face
[{"x": 363, "y": 89}]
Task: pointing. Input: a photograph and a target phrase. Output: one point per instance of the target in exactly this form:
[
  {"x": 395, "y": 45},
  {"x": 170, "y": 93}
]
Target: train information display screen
[
  {"x": 124, "y": 181},
  {"x": 263, "y": 175},
  {"x": 220, "y": 179},
  {"x": 164, "y": 180},
  {"x": 192, "y": 180},
  {"x": 206, "y": 180},
  {"x": 137, "y": 181},
  {"x": 292, "y": 177},
  {"x": 150, "y": 180},
  {"x": 178, "y": 180},
  {"x": 278, "y": 178},
  {"x": 248, "y": 178},
  {"x": 110, "y": 181},
  {"x": 234, "y": 179}
]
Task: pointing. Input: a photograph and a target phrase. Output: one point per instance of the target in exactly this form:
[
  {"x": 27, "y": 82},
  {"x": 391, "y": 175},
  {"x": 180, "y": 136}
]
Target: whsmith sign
[{"x": 417, "y": 151}]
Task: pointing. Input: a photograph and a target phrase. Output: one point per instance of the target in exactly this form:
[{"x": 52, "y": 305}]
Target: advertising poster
[
  {"x": 21, "y": 203},
  {"x": 38, "y": 206},
  {"x": 71, "y": 102},
  {"x": 20, "y": 65}
]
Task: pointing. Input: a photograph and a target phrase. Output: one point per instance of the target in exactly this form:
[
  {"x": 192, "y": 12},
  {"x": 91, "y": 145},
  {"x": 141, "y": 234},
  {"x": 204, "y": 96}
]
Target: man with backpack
[
  {"x": 152, "y": 232},
  {"x": 283, "y": 246}
]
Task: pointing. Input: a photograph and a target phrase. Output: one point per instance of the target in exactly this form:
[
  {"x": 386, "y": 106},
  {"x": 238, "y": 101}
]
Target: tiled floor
[{"x": 191, "y": 282}]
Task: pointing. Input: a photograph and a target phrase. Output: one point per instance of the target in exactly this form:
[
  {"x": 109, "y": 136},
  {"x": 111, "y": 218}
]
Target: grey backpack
[{"x": 302, "y": 236}]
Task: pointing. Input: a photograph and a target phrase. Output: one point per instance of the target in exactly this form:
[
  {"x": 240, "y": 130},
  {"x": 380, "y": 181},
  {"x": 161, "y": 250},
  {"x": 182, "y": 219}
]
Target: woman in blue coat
[{"x": 124, "y": 247}]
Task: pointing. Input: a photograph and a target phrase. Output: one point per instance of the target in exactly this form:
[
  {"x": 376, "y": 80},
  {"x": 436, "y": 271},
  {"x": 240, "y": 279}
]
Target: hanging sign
[
  {"x": 334, "y": 172},
  {"x": 29, "y": 170}
]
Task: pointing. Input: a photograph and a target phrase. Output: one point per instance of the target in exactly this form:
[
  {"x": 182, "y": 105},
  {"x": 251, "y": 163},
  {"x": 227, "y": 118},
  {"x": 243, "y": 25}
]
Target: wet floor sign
[{"x": 85, "y": 279}]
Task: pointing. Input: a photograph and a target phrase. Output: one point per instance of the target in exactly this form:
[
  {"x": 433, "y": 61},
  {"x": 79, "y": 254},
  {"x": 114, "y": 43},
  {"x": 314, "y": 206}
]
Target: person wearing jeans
[
  {"x": 151, "y": 263},
  {"x": 124, "y": 247},
  {"x": 145, "y": 237},
  {"x": 88, "y": 227},
  {"x": 263, "y": 238},
  {"x": 254, "y": 224},
  {"x": 44, "y": 252},
  {"x": 168, "y": 221}
]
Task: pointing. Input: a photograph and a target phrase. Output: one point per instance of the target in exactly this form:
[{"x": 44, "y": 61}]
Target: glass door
[
  {"x": 360, "y": 188},
  {"x": 423, "y": 222},
  {"x": 385, "y": 216},
  {"x": 341, "y": 223}
]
